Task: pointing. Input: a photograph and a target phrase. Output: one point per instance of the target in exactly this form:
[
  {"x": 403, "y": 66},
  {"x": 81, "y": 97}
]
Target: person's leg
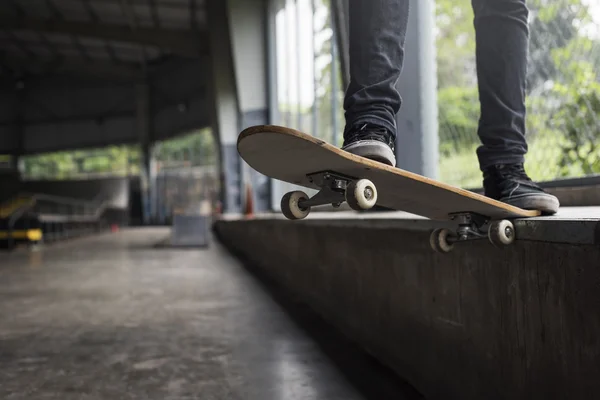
[
  {"x": 377, "y": 36},
  {"x": 502, "y": 35}
]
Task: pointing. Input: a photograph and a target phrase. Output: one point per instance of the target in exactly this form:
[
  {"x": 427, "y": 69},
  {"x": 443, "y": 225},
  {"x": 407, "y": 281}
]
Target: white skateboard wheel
[
  {"x": 361, "y": 195},
  {"x": 290, "y": 207},
  {"x": 439, "y": 241},
  {"x": 501, "y": 233}
]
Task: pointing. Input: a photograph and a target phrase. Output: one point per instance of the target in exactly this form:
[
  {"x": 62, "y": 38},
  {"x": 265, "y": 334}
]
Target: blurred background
[
  {"x": 563, "y": 99},
  {"x": 563, "y": 85}
]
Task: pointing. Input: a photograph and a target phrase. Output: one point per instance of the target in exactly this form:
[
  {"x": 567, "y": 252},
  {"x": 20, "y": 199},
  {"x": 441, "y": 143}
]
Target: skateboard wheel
[
  {"x": 361, "y": 195},
  {"x": 501, "y": 233},
  {"x": 439, "y": 241},
  {"x": 290, "y": 207}
]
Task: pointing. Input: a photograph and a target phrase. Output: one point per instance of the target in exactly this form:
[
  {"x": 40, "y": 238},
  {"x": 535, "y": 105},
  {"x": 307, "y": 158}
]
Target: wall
[{"x": 480, "y": 323}]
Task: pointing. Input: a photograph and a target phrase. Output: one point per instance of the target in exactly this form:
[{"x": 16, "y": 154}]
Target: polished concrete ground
[{"x": 111, "y": 317}]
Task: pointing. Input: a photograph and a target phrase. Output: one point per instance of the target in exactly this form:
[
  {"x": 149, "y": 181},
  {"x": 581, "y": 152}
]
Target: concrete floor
[{"x": 110, "y": 317}]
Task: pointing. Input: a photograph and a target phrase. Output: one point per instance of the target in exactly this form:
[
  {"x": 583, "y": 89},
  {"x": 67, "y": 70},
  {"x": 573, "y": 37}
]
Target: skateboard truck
[
  {"x": 336, "y": 188},
  {"x": 470, "y": 227}
]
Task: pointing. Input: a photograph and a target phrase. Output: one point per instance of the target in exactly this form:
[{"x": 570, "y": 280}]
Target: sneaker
[
  {"x": 371, "y": 141},
  {"x": 511, "y": 185}
]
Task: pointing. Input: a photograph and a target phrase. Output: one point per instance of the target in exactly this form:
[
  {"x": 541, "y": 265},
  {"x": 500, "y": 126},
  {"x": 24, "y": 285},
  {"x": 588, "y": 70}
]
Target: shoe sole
[
  {"x": 373, "y": 150},
  {"x": 546, "y": 203}
]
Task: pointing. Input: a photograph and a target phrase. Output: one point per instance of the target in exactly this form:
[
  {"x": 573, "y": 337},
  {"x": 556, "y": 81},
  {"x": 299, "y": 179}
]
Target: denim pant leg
[
  {"x": 377, "y": 37},
  {"x": 502, "y": 35}
]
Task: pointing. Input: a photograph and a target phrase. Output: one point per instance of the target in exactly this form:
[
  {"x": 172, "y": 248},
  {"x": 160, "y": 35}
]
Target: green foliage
[
  {"x": 563, "y": 121},
  {"x": 578, "y": 118},
  {"x": 113, "y": 160},
  {"x": 197, "y": 148},
  {"x": 455, "y": 43},
  {"x": 458, "y": 115},
  {"x": 551, "y": 27}
]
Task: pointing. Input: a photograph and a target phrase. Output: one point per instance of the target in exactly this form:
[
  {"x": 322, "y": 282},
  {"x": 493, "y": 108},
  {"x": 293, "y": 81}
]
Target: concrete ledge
[
  {"x": 572, "y": 225},
  {"x": 480, "y": 323}
]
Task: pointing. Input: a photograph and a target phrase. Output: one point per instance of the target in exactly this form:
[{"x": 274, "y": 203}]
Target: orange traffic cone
[{"x": 249, "y": 206}]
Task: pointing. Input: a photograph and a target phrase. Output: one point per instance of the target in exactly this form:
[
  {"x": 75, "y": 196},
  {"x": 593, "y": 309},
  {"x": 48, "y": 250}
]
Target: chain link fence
[
  {"x": 563, "y": 93},
  {"x": 187, "y": 178}
]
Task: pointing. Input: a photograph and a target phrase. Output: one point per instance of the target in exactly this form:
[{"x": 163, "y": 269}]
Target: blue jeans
[{"x": 377, "y": 37}]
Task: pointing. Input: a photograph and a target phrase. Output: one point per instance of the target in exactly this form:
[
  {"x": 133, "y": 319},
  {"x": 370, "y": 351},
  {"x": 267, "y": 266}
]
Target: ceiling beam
[
  {"x": 180, "y": 42},
  {"x": 80, "y": 66}
]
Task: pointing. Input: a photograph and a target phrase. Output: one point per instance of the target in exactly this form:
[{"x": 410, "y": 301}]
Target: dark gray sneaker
[
  {"x": 371, "y": 141},
  {"x": 510, "y": 184}
]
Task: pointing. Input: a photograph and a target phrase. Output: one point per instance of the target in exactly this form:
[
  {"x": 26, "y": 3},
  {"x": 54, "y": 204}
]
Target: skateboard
[{"x": 301, "y": 159}]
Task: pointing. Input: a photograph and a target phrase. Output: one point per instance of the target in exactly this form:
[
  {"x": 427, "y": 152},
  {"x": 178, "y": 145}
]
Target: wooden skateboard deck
[{"x": 289, "y": 155}]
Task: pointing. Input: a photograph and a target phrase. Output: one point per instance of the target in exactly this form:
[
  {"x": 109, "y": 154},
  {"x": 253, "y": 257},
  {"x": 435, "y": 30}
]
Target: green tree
[
  {"x": 552, "y": 26},
  {"x": 196, "y": 148},
  {"x": 455, "y": 43},
  {"x": 578, "y": 118},
  {"x": 562, "y": 90},
  {"x": 458, "y": 116}
]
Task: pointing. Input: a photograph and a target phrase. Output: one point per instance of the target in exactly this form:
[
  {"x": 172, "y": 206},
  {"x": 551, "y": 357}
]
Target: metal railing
[{"x": 50, "y": 208}]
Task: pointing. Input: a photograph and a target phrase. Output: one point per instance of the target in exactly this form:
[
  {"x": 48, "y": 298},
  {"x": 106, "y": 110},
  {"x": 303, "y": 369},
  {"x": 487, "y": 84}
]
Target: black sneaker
[
  {"x": 510, "y": 184},
  {"x": 371, "y": 141}
]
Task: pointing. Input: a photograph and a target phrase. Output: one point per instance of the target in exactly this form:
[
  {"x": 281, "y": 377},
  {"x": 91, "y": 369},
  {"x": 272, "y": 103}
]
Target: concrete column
[
  {"x": 417, "y": 145},
  {"x": 14, "y": 162},
  {"x": 250, "y": 61},
  {"x": 16, "y": 156},
  {"x": 240, "y": 92},
  {"x": 143, "y": 130},
  {"x": 225, "y": 109}
]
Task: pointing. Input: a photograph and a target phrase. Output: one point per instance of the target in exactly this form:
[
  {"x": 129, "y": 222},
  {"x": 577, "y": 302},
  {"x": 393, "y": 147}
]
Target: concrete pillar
[
  {"x": 250, "y": 61},
  {"x": 225, "y": 109},
  {"x": 17, "y": 163},
  {"x": 16, "y": 156},
  {"x": 417, "y": 144},
  {"x": 144, "y": 134},
  {"x": 14, "y": 162},
  {"x": 240, "y": 92}
]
